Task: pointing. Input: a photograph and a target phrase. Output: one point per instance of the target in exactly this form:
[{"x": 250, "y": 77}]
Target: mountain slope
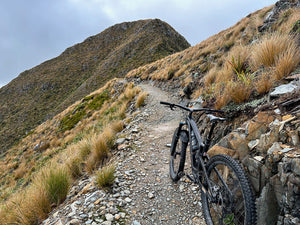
[{"x": 45, "y": 90}]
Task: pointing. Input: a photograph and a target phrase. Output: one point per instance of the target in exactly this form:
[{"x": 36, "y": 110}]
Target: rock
[
  {"x": 259, "y": 158},
  {"x": 109, "y": 217},
  {"x": 295, "y": 166},
  {"x": 216, "y": 150},
  {"x": 258, "y": 125},
  {"x": 266, "y": 140},
  {"x": 275, "y": 147},
  {"x": 150, "y": 195},
  {"x": 117, "y": 216},
  {"x": 238, "y": 142},
  {"x": 283, "y": 89},
  {"x": 253, "y": 168},
  {"x": 106, "y": 223},
  {"x": 267, "y": 206},
  {"x": 135, "y": 223},
  {"x": 120, "y": 141},
  {"x": 252, "y": 144},
  {"x": 128, "y": 200}
]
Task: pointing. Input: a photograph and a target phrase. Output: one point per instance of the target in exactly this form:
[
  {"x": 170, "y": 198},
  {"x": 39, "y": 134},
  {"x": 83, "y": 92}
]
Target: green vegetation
[{"x": 105, "y": 176}]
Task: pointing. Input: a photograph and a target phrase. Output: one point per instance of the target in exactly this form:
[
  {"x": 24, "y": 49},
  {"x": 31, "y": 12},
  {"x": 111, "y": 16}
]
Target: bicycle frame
[
  {"x": 201, "y": 153},
  {"x": 197, "y": 157}
]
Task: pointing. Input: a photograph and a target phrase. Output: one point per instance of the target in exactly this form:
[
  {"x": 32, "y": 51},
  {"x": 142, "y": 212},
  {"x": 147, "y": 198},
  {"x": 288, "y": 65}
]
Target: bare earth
[
  {"x": 143, "y": 193},
  {"x": 155, "y": 198}
]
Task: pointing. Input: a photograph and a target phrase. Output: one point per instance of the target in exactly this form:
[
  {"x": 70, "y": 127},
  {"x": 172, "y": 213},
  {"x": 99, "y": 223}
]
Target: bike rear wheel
[
  {"x": 178, "y": 154},
  {"x": 234, "y": 202}
]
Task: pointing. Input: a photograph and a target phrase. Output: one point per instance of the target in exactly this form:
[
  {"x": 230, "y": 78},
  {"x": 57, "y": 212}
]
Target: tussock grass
[
  {"x": 105, "y": 176},
  {"x": 264, "y": 83},
  {"x": 270, "y": 47},
  {"x": 286, "y": 62},
  {"x": 56, "y": 181},
  {"x": 140, "y": 99}
]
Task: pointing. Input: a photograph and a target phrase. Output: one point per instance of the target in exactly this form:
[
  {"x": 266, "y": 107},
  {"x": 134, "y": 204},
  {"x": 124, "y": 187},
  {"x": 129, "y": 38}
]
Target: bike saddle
[{"x": 213, "y": 118}]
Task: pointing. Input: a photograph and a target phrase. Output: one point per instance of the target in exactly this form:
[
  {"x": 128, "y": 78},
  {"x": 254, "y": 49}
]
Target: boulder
[{"x": 216, "y": 150}]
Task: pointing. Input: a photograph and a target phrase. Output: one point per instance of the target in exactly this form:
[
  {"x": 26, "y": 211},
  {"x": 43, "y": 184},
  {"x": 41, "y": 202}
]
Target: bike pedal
[{"x": 191, "y": 178}]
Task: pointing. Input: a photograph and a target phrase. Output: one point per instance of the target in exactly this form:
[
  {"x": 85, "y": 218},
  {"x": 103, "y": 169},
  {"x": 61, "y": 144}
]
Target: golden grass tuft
[
  {"x": 270, "y": 48},
  {"x": 264, "y": 83},
  {"x": 20, "y": 171},
  {"x": 99, "y": 152},
  {"x": 117, "y": 126},
  {"x": 56, "y": 181},
  {"x": 286, "y": 62},
  {"x": 211, "y": 77},
  {"x": 239, "y": 91},
  {"x": 140, "y": 99},
  {"x": 105, "y": 177}
]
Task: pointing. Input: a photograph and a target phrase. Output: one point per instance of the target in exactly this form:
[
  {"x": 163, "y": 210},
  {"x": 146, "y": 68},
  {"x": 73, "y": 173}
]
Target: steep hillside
[
  {"x": 250, "y": 70},
  {"x": 41, "y": 92}
]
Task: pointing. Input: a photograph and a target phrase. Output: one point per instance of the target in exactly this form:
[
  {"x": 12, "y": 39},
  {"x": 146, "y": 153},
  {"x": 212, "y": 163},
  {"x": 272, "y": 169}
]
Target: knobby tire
[
  {"x": 178, "y": 154},
  {"x": 239, "y": 209}
]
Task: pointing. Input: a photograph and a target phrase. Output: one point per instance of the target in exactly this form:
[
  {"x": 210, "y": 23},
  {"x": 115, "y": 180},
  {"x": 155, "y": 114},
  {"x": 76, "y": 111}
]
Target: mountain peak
[{"x": 50, "y": 87}]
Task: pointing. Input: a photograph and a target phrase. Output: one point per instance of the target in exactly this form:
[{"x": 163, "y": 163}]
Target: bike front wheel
[
  {"x": 178, "y": 154},
  {"x": 232, "y": 200}
]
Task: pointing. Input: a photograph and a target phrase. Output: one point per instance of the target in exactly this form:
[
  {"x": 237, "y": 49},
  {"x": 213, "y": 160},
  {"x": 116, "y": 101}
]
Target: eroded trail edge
[{"x": 143, "y": 193}]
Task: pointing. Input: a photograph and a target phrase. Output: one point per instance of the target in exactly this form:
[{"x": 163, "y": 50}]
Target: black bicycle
[{"x": 226, "y": 194}]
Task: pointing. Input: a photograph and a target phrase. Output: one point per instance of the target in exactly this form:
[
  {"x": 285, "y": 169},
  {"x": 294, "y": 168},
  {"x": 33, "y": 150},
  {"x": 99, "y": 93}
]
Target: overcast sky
[{"x": 32, "y": 31}]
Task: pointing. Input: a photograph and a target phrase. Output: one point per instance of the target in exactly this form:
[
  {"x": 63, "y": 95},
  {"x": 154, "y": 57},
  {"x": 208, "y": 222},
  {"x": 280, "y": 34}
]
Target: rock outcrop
[
  {"x": 269, "y": 148},
  {"x": 273, "y": 15}
]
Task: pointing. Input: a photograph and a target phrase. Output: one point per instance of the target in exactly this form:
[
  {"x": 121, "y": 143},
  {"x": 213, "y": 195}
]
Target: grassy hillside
[
  {"x": 40, "y": 93},
  {"x": 236, "y": 65},
  {"x": 74, "y": 142}
]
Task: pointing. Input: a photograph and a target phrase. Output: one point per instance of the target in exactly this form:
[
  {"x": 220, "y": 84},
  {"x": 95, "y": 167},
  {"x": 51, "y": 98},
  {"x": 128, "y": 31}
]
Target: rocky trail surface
[{"x": 142, "y": 193}]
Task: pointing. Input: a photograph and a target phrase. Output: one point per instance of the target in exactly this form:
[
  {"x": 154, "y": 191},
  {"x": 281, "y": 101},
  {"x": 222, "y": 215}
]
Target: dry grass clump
[
  {"x": 239, "y": 91},
  {"x": 140, "y": 99},
  {"x": 105, "y": 176},
  {"x": 31, "y": 206},
  {"x": 99, "y": 152},
  {"x": 56, "y": 181},
  {"x": 286, "y": 62},
  {"x": 117, "y": 126},
  {"x": 20, "y": 171},
  {"x": 264, "y": 83},
  {"x": 271, "y": 47}
]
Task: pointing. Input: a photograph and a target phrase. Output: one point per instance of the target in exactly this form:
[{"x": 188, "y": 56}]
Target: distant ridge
[{"x": 43, "y": 91}]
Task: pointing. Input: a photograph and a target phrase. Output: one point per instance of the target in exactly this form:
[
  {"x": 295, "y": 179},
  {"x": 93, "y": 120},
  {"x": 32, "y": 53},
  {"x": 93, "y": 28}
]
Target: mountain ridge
[{"x": 43, "y": 91}]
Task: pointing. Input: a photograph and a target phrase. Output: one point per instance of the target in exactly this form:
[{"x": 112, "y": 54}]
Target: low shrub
[
  {"x": 140, "y": 99},
  {"x": 105, "y": 176}
]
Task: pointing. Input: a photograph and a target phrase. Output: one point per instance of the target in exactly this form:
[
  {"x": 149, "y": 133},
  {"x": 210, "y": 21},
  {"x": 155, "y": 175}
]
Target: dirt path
[
  {"x": 143, "y": 193},
  {"x": 155, "y": 198}
]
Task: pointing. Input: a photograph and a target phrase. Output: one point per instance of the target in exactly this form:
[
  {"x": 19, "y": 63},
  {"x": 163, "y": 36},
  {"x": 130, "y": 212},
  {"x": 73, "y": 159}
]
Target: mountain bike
[{"x": 226, "y": 194}]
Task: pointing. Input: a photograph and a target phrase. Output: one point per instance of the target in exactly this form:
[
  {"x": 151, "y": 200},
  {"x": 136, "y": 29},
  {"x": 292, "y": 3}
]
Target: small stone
[
  {"x": 120, "y": 141},
  {"x": 74, "y": 222},
  {"x": 128, "y": 200},
  {"x": 258, "y": 158},
  {"x": 253, "y": 144},
  {"x": 135, "y": 223},
  {"x": 275, "y": 147},
  {"x": 106, "y": 223},
  {"x": 150, "y": 195},
  {"x": 109, "y": 217},
  {"x": 181, "y": 187},
  {"x": 117, "y": 216}
]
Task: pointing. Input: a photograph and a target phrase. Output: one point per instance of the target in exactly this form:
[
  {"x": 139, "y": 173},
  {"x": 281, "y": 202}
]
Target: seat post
[{"x": 208, "y": 140}]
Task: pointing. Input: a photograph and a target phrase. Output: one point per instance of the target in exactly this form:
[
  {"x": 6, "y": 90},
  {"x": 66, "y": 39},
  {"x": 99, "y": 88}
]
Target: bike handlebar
[{"x": 172, "y": 105}]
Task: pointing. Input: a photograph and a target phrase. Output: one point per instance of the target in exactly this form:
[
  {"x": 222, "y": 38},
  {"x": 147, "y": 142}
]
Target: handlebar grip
[{"x": 164, "y": 103}]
